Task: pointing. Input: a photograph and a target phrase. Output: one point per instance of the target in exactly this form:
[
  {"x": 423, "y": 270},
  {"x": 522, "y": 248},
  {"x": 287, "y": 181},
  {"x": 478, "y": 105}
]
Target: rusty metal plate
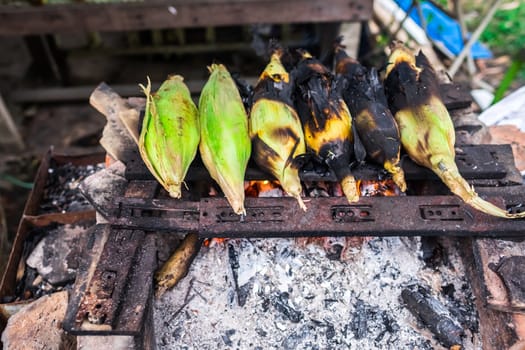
[
  {"x": 113, "y": 291},
  {"x": 98, "y": 309},
  {"x": 139, "y": 290}
]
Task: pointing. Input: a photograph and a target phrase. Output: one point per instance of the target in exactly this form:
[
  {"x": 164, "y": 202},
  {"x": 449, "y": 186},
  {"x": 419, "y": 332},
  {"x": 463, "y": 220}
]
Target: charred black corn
[
  {"x": 377, "y": 129},
  {"x": 326, "y": 121}
]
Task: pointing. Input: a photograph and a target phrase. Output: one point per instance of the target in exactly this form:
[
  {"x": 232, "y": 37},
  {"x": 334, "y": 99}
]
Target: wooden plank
[
  {"x": 488, "y": 253},
  {"x": 496, "y": 327},
  {"x": 6, "y": 116},
  {"x": 25, "y": 20}
]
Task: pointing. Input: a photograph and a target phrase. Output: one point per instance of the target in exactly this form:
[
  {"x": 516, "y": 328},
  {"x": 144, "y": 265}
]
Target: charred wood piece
[
  {"x": 434, "y": 315},
  {"x": 241, "y": 291}
]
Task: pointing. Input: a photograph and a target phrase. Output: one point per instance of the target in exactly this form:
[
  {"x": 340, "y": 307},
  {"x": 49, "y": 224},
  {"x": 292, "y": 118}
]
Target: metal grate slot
[
  {"x": 441, "y": 212},
  {"x": 352, "y": 213}
]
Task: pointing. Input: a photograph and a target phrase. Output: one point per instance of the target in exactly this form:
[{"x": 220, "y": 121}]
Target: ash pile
[{"x": 291, "y": 294}]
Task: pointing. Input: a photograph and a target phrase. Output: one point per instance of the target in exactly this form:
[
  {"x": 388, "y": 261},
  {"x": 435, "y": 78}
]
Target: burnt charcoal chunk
[
  {"x": 334, "y": 252},
  {"x": 433, "y": 314},
  {"x": 358, "y": 325},
  {"x": 241, "y": 291},
  {"x": 261, "y": 332},
  {"x": 434, "y": 254},
  {"x": 330, "y": 331},
  {"x": 371, "y": 322},
  {"x": 265, "y": 305},
  {"x": 61, "y": 192},
  {"x": 293, "y": 341},
  {"x": 226, "y": 337},
  {"x": 281, "y": 303}
]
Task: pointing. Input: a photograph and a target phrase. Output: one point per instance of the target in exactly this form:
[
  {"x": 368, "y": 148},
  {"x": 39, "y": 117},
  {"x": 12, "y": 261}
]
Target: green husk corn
[
  {"x": 225, "y": 143},
  {"x": 170, "y": 133}
]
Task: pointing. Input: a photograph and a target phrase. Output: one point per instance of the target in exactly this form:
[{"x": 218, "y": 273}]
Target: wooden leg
[{"x": 6, "y": 117}]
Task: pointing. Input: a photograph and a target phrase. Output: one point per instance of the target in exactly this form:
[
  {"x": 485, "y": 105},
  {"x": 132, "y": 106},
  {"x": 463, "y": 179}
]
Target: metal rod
[{"x": 475, "y": 36}]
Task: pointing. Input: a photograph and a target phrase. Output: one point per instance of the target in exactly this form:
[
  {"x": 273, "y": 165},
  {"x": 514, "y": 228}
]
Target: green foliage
[{"x": 506, "y": 32}]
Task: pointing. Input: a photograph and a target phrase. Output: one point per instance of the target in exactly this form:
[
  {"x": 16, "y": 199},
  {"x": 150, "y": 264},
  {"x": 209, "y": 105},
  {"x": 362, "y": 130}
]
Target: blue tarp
[{"x": 441, "y": 28}]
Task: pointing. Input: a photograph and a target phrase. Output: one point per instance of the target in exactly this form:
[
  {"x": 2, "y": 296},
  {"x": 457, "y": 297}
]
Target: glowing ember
[
  {"x": 210, "y": 242},
  {"x": 264, "y": 188},
  {"x": 375, "y": 188}
]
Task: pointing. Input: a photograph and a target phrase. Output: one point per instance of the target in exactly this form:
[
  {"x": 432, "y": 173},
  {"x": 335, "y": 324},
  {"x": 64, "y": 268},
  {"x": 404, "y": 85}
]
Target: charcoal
[
  {"x": 434, "y": 254},
  {"x": 448, "y": 290},
  {"x": 330, "y": 331},
  {"x": 293, "y": 341},
  {"x": 261, "y": 332},
  {"x": 61, "y": 193},
  {"x": 265, "y": 306},
  {"x": 281, "y": 303},
  {"x": 334, "y": 252},
  {"x": 371, "y": 322},
  {"x": 242, "y": 291},
  {"x": 226, "y": 337},
  {"x": 433, "y": 314},
  {"x": 358, "y": 325}
]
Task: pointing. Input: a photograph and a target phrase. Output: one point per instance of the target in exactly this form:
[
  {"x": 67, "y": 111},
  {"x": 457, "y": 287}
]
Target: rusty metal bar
[
  {"x": 113, "y": 291},
  {"x": 371, "y": 216}
]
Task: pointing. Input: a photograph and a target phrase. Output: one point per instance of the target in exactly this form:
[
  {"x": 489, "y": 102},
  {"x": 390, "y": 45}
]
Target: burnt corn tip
[{"x": 399, "y": 55}]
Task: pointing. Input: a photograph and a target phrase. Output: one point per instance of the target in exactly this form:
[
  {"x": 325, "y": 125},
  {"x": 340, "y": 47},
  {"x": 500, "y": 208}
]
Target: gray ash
[
  {"x": 61, "y": 193},
  {"x": 297, "y": 298}
]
